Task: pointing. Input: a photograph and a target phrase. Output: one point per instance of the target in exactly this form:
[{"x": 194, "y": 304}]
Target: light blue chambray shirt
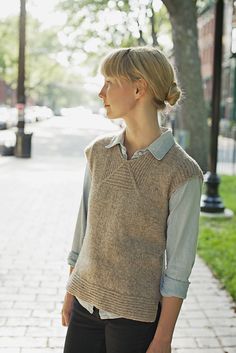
[{"x": 182, "y": 224}]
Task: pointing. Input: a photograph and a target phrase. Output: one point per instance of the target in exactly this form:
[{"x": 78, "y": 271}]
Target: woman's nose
[{"x": 101, "y": 94}]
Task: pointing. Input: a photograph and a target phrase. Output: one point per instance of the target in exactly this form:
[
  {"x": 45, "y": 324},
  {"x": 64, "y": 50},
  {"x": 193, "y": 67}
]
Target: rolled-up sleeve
[
  {"x": 182, "y": 237},
  {"x": 81, "y": 222}
]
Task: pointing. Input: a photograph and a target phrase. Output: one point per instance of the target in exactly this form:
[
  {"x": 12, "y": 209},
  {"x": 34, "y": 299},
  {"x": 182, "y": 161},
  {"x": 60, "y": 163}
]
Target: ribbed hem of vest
[{"x": 129, "y": 307}]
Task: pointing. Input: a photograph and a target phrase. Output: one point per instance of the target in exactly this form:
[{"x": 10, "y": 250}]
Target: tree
[
  {"x": 9, "y": 50},
  {"x": 94, "y": 26},
  {"x": 183, "y": 18},
  {"x": 45, "y": 75}
]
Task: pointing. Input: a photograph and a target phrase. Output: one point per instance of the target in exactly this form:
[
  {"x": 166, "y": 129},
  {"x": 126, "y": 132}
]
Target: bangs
[{"x": 118, "y": 65}]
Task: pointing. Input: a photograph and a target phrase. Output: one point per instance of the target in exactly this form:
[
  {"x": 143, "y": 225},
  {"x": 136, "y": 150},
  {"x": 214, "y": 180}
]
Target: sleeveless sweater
[{"x": 120, "y": 263}]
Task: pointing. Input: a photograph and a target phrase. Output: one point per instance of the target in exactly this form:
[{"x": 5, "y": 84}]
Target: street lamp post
[
  {"x": 211, "y": 202},
  {"x": 21, "y": 68},
  {"x": 23, "y": 141}
]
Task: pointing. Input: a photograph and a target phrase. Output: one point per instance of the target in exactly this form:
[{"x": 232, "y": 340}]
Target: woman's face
[{"x": 118, "y": 100}]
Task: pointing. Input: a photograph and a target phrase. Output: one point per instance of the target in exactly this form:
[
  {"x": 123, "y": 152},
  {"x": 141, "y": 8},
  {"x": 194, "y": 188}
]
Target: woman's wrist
[
  {"x": 162, "y": 335},
  {"x": 169, "y": 313}
]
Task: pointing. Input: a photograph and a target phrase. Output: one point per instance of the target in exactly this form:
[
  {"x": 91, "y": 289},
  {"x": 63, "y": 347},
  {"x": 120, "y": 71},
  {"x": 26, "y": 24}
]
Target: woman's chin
[{"x": 110, "y": 116}]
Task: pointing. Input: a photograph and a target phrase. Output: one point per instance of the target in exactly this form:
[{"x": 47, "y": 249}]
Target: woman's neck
[
  {"x": 142, "y": 126},
  {"x": 139, "y": 139}
]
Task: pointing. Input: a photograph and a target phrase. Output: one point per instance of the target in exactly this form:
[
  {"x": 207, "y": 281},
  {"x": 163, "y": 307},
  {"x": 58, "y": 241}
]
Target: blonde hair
[{"x": 148, "y": 63}]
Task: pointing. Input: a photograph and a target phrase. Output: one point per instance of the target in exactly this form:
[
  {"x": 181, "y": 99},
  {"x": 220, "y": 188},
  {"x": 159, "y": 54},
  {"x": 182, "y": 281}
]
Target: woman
[{"x": 140, "y": 202}]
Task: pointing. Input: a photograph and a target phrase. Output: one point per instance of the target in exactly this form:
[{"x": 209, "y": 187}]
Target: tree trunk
[
  {"x": 152, "y": 20},
  {"x": 183, "y": 17}
]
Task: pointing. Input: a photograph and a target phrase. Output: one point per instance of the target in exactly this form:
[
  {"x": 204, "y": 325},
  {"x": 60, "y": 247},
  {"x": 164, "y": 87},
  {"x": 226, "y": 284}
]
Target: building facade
[{"x": 206, "y": 25}]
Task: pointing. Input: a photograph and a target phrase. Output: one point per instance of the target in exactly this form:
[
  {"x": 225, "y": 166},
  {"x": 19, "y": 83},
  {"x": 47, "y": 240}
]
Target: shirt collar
[{"x": 158, "y": 148}]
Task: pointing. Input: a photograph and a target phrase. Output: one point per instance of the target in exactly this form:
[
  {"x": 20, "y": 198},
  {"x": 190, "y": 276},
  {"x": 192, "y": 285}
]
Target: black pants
[{"x": 88, "y": 333}]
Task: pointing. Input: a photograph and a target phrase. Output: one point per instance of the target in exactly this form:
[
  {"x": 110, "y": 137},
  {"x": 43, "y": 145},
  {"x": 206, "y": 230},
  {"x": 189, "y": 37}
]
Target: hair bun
[{"x": 173, "y": 94}]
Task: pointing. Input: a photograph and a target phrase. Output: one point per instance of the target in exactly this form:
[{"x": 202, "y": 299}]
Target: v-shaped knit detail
[
  {"x": 125, "y": 175},
  {"x": 138, "y": 166},
  {"x": 120, "y": 177}
]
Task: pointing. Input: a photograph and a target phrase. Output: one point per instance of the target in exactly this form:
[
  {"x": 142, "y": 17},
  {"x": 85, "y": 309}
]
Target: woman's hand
[
  {"x": 158, "y": 346},
  {"x": 66, "y": 309}
]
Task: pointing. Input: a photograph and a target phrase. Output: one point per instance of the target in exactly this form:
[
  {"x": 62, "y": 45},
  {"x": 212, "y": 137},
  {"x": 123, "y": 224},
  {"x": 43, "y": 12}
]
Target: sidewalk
[{"x": 39, "y": 205}]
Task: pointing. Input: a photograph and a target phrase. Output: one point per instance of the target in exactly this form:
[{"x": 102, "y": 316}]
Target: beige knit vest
[{"x": 120, "y": 263}]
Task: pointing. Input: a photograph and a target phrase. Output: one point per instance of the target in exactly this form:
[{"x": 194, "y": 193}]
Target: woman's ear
[{"x": 141, "y": 87}]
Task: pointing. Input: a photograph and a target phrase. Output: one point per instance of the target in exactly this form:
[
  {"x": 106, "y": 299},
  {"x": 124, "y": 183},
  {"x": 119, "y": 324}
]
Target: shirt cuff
[
  {"x": 171, "y": 287},
  {"x": 72, "y": 258}
]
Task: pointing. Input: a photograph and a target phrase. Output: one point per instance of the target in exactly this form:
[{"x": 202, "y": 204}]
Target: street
[{"x": 40, "y": 199}]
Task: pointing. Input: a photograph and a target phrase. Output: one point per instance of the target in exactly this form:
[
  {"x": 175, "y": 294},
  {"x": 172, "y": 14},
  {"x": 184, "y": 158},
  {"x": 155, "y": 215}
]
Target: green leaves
[
  {"x": 115, "y": 23},
  {"x": 9, "y": 50}
]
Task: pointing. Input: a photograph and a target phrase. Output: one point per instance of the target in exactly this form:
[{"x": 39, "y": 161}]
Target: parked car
[
  {"x": 43, "y": 112},
  {"x": 37, "y": 113},
  {"x": 12, "y": 117},
  {"x": 8, "y": 117},
  {"x": 30, "y": 115},
  {"x": 76, "y": 111},
  {"x": 3, "y": 117}
]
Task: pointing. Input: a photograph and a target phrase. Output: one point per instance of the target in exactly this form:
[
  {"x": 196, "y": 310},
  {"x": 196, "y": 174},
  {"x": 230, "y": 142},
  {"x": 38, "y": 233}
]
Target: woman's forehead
[
  {"x": 116, "y": 78},
  {"x": 113, "y": 79}
]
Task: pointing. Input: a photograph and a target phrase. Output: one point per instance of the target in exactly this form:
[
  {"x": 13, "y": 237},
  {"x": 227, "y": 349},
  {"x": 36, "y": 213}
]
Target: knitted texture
[{"x": 120, "y": 263}]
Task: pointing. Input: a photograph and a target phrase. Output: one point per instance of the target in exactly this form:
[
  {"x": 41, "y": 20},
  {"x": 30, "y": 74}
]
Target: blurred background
[
  {"x": 50, "y": 52},
  {"x": 65, "y": 41}
]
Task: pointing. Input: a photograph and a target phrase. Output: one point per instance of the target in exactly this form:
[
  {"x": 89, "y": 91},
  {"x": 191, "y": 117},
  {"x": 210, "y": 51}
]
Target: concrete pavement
[{"x": 39, "y": 204}]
